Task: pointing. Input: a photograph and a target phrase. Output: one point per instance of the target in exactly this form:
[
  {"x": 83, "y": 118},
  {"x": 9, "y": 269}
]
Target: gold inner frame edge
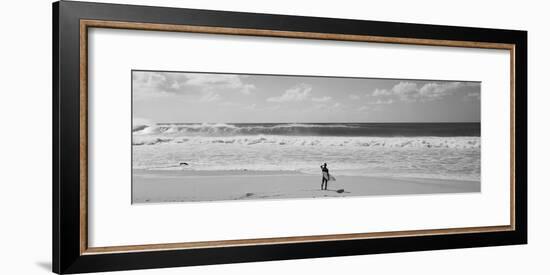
[{"x": 85, "y": 24}]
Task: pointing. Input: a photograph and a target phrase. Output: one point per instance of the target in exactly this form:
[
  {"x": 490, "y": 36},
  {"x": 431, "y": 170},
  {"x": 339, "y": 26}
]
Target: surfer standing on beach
[{"x": 326, "y": 177}]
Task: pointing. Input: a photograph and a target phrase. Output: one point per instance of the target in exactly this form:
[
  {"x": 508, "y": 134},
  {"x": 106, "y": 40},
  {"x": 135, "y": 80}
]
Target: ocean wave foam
[{"x": 374, "y": 142}]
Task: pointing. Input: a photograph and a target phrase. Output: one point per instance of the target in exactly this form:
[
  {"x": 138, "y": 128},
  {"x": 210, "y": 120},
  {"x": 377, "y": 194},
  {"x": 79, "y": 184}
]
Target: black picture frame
[{"x": 67, "y": 253}]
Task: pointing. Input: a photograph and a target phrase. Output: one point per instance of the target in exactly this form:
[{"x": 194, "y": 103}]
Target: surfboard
[{"x": 332, "y": 178}]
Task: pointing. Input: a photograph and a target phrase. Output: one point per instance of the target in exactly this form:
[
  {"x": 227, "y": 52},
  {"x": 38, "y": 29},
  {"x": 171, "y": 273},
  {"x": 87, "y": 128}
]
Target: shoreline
[
  {"x": 213, "y": 173},
  {"x": 163, "y": 186}
]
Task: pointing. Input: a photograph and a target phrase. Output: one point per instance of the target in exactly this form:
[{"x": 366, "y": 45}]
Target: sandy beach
[{"x": 150, "y": 186}]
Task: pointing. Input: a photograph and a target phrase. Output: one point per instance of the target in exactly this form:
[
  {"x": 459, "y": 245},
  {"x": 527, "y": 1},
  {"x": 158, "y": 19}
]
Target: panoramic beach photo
[{"x": 206, "y": 136}]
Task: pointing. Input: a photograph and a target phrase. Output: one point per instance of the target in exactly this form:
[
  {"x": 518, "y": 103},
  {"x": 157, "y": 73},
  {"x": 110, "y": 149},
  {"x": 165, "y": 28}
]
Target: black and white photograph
[
  {"x": 210, "y": 136},
  {"x": 275, "y": 137}
]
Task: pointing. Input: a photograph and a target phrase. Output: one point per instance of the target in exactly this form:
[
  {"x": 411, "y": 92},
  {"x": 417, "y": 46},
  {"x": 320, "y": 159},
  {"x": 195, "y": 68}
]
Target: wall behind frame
[{"x": 25, "y": 155}]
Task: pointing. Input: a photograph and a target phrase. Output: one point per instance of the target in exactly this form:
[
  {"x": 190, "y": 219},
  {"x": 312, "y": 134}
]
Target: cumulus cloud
[
  {"x": 167, "y": 83},
  {"x": 209, "y": 97},
  {"x": 250, "y": 107},
  {"x": 238, "y": 105},
  {"x": 327, "y": 106},
  {"x": 150, "y": 84},
  {"x": 381, "y": 92},
  {"x": 321, "y": 99},
  {"x": 382, "y": 102},
  {"x": 218, "y": 81},
  {"x": 411, "y": 91},
  {"x": 364, "y": 109},
  {"x": 354, "y": 97},
  {"x": 406, "y": 90},
  {"x": 433, "y": 91},
  {"x": 229, "y": 104},
  {"x": 299, "y": 92}
]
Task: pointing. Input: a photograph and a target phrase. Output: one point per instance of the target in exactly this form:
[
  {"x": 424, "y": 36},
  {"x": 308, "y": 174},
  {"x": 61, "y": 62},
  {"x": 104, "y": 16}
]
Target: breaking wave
[{"x": 311, "y": 129}]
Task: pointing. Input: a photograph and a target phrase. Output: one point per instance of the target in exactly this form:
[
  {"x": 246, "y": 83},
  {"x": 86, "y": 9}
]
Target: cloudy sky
[{"x": 209, "y": 97}]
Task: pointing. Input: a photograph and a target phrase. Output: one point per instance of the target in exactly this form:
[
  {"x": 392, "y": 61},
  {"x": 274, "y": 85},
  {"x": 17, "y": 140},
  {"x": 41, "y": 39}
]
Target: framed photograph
[{"x": 193, "y": 137}]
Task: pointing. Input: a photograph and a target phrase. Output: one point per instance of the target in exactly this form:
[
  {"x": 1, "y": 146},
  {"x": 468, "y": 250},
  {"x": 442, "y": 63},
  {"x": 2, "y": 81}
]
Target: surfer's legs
[{"x": 324, "y": 184}]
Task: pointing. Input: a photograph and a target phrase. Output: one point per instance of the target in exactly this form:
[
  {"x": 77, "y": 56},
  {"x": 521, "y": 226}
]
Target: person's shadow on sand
[{"x": 333, "y": 190}]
